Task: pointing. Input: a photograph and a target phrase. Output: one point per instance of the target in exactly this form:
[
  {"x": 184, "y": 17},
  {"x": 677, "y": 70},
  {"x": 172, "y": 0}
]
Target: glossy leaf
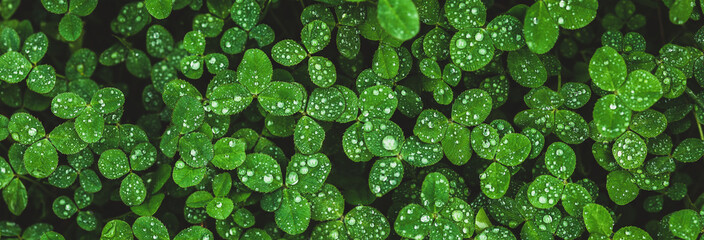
[
  {"x": 607, "y": 69},
  {"x": 14, "y": 67},
  {"x": 560, "y": 160},
  {"x": 366, "y": 222},
  {"x": 611, "y": 117},
  {"x": 307, "y": 174},
  {"x": 573, "y": 14},
  {"x": 513, "y": 149},
  {"x": 685, "y": 224},
  {"x": 471, "y": 107},
  {"x": 113, "y": 164},
  {"x": 545, "y": 191},
  {"x": 539, "y": 28},
  {"x": 260, "y": 173},
  {"x": 494, "y": 181},
  {"x": 255, "y": 70},
  {"x": 621, "y": 187},
  {"x": 315, "y": 36},
  {"x": 526, "y": 68},
  {"x": 160, "y": 9},
  {"x": 288, "y": 52},
  {"x": 294, "y": 214},
  {"x": 471, "y": 49},
  {"x": 597, "y": 219},
  {"x": 640, "y": 91},
  {"x": 145, "y": 228},
  {"x": 41, "y": 159},
  {"x": 399, "y": 18}
]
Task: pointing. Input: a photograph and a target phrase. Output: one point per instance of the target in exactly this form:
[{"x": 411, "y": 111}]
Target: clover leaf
[
  {"x": 294, "y": 214},
  {"x": 539, "y": 28},
  {"x": 282, "y": 98},
  {"x": 315, "y": 36},
  {"x": 365, "y": 221},
  {"x": 113, "y": 164},
  {"x": 25, "y": 128},
  {"x": 597, "y": 219},
  {"x": 260, "y": 172},
  {"x": 147, "y": 228},
  {"x": 494, "y": 180},
  {"x": 245, "y": 13},
  {"x": 560, "y": 160},
  {"x": 307, "y": 174},
  {"x": 413, "y": 221},
  {"x": 621, "y": 187},
  {"x": 545, "y": 191},
  {"x": 14, "y": 67},
  {"x": 399, "y": 18},
  {"x": 513, "y": 149},
  {"x": 288, "y": 52},
  {"x": 132, "y": 190},
  {"x": 471, "y": 49},
  {"x": 41, "y": 159}
]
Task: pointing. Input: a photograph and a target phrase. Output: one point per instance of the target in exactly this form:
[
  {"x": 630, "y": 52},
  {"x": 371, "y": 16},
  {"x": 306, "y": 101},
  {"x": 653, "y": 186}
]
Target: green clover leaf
[{"x": 399, "y": 18}]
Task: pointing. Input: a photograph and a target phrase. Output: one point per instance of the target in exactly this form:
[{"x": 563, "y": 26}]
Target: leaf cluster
[{"x": 351, "y": 119}]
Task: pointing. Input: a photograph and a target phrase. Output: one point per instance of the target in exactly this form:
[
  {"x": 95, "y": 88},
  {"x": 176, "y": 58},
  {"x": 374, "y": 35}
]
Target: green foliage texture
[{"x": 351, "y": 119}]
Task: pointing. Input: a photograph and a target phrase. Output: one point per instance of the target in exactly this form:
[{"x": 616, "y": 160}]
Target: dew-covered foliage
[{"x": 351, "y": 119}]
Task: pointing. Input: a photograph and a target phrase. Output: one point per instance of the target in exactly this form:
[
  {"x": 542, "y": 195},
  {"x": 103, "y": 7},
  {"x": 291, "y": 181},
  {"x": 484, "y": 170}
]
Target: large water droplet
[
  {"x": 389, "y": 143},
  {"x": 461, "y": 43}
]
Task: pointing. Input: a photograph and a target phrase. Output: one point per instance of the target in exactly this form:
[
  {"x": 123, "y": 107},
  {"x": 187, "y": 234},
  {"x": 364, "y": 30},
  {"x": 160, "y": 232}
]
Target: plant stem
[
  {"x": 699, "y": 103},
  {"x": 559, "y": 81},
  {"x": 694, "y": 98},
  {"x": 41, "y": 186},
  {"x": 266, "y": 8},
  {"x": 662, "y": 29},
  {"x": 688, "y": 202},
  {"x": 699, "y": 126},
  {"x": 124, "y": 42},
  {"x": 121, "y": 216},
  {"x": 278, "y": 22}
]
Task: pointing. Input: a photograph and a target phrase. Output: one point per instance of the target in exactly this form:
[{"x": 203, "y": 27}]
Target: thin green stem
[
  {"x": 40, "y": 185},
  {"x": 278, "y": 22},
  {"x": 559, "y": 81},
  {"x": 121, "y": 216},
  {"x": 662, "y": 29},
  {"x": 694, "y": 98},
  {"x": 699, "y": 126},
  {"x": 688, "y": 202},
  {"x": 700, "y": 104},
  {"x": 266, "y": 8},
  {"x": 124, "y": 42}
]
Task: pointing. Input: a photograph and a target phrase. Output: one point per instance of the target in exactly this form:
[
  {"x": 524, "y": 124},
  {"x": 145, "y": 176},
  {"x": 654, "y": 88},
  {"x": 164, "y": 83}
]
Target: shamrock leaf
[
  {"x": 539, "y": 28},
  {"x": 399, "y": 18}
]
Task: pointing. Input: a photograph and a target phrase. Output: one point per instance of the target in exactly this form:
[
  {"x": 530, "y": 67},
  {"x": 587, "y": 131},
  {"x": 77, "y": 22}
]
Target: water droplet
[
  {"x": 461, "y": 43},
  {"x": 389, "y": 143},
  {"x": 547, "y": 219},
  {"x": 268, "y": 178},
  {"x": 312, "y": 162},
  {"x": 457, "y": 215},
  {"x": 479, "y": 36},
  {"x": 292, "y": 178}
]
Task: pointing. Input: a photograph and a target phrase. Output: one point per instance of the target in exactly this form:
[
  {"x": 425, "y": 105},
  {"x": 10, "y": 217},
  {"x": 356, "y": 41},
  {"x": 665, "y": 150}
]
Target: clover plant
[{"x": 351, "y": 119}]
